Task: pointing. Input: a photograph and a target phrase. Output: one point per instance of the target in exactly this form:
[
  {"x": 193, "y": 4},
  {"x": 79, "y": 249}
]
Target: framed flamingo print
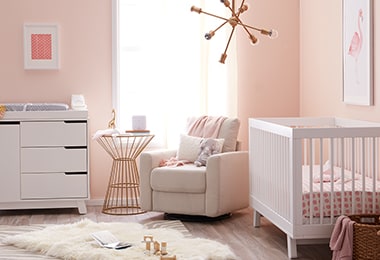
[
  {"x": 41, "y": 46},
  {"x": 357, "y": 52}
]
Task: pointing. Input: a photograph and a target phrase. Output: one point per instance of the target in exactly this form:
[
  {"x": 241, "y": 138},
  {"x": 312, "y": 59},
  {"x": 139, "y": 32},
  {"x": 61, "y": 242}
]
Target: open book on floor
[{"x": 108, "y": 240}]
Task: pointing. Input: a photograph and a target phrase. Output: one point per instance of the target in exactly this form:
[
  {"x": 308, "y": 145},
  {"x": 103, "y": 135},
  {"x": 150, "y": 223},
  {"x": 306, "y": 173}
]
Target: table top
[
  {"x": 127, "y": 135},
  {"x": 124, "y": 146}
]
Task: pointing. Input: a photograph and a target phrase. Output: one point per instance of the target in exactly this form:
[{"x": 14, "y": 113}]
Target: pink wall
[
  {"x": 85, "y": 54},
  {"x": 269, "y": 72},
  {"x": 321, "y": 62}
]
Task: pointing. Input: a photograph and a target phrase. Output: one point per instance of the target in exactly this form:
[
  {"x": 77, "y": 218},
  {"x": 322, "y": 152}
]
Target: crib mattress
[{"x": 344, "y": 193}]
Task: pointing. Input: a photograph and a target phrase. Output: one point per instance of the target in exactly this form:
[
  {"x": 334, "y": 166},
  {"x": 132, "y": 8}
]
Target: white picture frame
[
  {"x": 41, "y": 46},
  {"x": 358, "y": 52}
]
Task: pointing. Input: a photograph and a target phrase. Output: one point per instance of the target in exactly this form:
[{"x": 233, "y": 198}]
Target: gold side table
[{"x": 123, "y": 192}]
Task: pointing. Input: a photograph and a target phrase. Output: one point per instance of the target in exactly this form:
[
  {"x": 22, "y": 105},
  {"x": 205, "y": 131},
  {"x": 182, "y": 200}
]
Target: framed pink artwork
[
  {"x": 357, "y": 52},
  {"x": 41, "y": 46}
]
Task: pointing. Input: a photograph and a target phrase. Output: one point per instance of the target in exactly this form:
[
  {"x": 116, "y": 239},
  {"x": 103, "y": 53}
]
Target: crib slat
[
  {"x": 311, "y": 174},
  {"x": 353, "y": 176},
  {"x": 363, "y": 160},
  {"x": 332, "y": 193},
  {"x": 321, "y": 183},
  {"x": 343, "y": 162},
  {"x": 374, "y": 177}
]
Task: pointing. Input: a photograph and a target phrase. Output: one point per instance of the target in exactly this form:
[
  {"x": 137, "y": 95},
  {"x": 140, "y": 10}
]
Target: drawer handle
[
  {"x": 74, "y": 121},
  {"x": 75, "y": 147},
  {"x": 10, "y": 123},
  {"x": 75, "y": 173}
]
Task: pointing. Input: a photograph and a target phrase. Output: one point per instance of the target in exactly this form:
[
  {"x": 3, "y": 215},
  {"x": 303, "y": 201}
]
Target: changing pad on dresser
[{"x": 36, "y": 106}]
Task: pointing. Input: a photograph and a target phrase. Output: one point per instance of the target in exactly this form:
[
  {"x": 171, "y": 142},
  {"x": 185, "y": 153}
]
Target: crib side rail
[{"x": 270, "y": 173}]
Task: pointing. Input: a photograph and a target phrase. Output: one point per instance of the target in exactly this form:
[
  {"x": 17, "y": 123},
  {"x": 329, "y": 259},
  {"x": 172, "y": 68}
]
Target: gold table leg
[{"x": 123, "y": 192}]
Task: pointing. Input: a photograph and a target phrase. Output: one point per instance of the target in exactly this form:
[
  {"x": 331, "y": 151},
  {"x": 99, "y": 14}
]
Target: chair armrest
[
  {"x": 227, "y": 182},
  {"x": 148, "y": 161}
]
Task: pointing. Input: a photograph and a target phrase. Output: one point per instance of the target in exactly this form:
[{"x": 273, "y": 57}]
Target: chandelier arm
[
  {"x": 222, "y": 18},
  {"x": 262, "y": 31},
  {"x": 220, "y": 26},
  {"x": 239, "y": 10},
  {"x": 242, "y": 3},
  {"x": 234, "y": 14},
  {"x": 224, "y": 55},
  {"x": 237, "y": 14},
  {"x": 239, "y": 22},
  {"x": 229, "y": 40},
  {"x": 245, "y": 27}
]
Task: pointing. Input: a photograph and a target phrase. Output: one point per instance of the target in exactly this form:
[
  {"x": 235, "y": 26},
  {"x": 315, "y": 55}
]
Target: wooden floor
[{"x": 248, "y": 242}]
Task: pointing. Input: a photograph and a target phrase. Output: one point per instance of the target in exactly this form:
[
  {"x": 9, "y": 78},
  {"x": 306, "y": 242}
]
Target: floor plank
[{"x": 248, "y": 242}]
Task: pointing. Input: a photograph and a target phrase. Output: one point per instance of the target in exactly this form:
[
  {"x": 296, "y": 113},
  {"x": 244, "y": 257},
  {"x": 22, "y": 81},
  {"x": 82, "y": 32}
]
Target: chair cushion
[
  {"x": 189, "y": 147},
  {"x": 229, "y": 132},
  {"x": 186, "y": 179}
]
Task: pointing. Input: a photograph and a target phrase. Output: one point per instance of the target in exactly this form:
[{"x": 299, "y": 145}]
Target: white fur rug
[{"x": 74, "y": 241}]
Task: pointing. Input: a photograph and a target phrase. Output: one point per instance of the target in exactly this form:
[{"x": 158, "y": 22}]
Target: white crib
[{"x": 294, "y": 162}]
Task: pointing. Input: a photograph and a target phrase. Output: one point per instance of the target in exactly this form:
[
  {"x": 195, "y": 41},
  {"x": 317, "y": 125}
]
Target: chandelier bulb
[
  {"x": 226, "y": 3},
  {"x": 243, "y": 8},
  {"x": 273, "y": 34},
  {"x": 254, "y": 40},
  {"x": 209, "y": 35}
]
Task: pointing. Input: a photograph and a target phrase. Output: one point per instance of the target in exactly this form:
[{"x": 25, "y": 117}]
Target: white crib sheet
[{"x": 349, "y": 198}]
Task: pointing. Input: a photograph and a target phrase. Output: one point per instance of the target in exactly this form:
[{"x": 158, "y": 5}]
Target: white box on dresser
[{"x": 44, "y": 160}]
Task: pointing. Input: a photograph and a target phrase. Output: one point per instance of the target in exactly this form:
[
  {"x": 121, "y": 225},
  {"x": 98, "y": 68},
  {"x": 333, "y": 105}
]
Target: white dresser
[{"x": 44, "y": 160}]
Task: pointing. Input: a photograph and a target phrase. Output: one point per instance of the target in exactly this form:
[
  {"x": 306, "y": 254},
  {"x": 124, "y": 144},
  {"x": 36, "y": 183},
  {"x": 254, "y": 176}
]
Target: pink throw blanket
[
  {"x": 341, "y": 241},
  {"x": 172, "y": 162},
  {"x": 206, "y": 126}
]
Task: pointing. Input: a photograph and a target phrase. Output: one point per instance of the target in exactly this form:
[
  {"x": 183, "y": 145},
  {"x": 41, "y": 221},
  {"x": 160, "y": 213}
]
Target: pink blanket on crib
[{"x": 206, "y": 126}]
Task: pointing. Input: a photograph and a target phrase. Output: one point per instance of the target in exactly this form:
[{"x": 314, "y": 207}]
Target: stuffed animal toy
[{"x": 208, "y": 147}]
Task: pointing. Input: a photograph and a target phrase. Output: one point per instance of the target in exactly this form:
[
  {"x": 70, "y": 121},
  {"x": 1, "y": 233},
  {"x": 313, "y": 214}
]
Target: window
[{"x": 163, "y": 67}]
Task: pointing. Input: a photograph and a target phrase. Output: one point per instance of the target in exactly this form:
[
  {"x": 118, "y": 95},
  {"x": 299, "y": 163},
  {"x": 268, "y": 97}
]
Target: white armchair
[{"x": 217, "y": 189}]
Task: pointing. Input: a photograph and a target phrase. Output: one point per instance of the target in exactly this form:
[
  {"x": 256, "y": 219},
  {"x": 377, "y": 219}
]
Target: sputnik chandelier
[{"x": 234, "y": 20}]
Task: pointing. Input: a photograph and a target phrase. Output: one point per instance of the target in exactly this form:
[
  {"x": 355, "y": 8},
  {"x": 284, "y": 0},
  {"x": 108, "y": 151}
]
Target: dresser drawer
[
  {"x": 54, "y": 159},
  {"x": 53, "y": 186},
  {"x": 54, "y": 133}
]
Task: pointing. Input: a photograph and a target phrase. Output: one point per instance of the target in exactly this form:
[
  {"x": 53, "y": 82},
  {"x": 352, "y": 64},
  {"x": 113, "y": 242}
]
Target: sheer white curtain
[{"x": 164, "y": 68}]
